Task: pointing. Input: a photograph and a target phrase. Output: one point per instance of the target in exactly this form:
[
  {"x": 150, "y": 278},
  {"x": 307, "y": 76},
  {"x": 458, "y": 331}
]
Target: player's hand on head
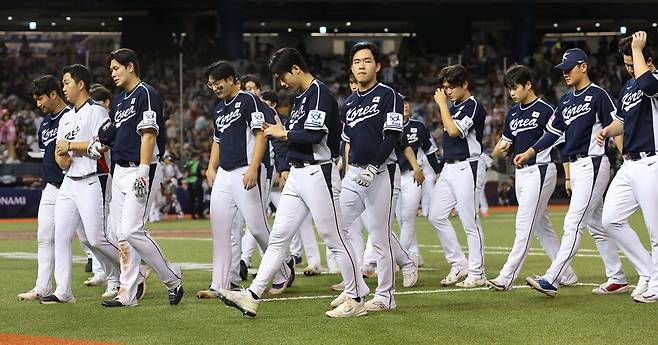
[
  {"x": 250, "y": 178},
  {"x": 440, "y": 96},
  {"x": 639, "y": 40}
]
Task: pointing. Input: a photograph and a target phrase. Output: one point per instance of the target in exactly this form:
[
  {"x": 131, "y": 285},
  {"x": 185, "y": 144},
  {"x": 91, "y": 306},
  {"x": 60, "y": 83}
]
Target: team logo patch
[
  {"x": 375, "y": 99},
  {"x": 315, "y": 118},
  {"x": 393, "y": 121},
  {"x": 257, "y": 119},
  {"x": 149, "y": 118}
]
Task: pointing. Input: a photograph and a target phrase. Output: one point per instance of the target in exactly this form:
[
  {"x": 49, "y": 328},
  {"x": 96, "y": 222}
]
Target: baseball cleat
[
  {"x": 348, "y": 308},
  {"x": 88, "y": 266},
  {"x": 646, "y": 297},
  {"x": 640, "y": 288},
  {"x": 541, "y": 285},
  {"x": 176, "y": 294},
  {"x": 141, "y": 290},
  {"x": 291, "y": 265},
  {"x": 311, "y": 271},
  {"x": 569, "y": 281},
  {"x": 210, "y": 293},
  {"x": 278, "y": 289},
  {"x": 339, "y": 300},
  {"x": 369, "y": 270},
  {"x": 52, "y": 299},
  {"x": 96, "y": 280},
  {"x": 32, "y": 295},
  {"x": 470, "y": 283},
  {"x": 111, "y": 292},
  {"x": 454, "y": 276},
  {"x": 115, "y": 303},
  {"x": 241, "y": 300},
  {"x": 235, "y": 287},
  {"x": 244, "y": 270},
  {"x": 610, "y": 288},
  {"x": 298, "y": 259},
  {"x": 495, "y": 284},
  {"x": 409, "y": 280},
  {"x": 377, "y": 305},
  {"x": 338, "y": 287}
]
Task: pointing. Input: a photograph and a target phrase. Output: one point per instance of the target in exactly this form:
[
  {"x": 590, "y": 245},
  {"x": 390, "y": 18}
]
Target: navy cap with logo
[{"x": 571, "y": 58}]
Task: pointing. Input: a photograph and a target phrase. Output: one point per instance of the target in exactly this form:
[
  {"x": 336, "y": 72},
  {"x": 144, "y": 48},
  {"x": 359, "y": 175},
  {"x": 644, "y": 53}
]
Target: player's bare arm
[
  {"x": 449, "y": 124},
  {"x": 522, "y": 158},
  {"x": 276, "y": 131},
  {"x": 614, "y": 129},
  {"x": 251, "y": 176},
  {"x": 567, "y": 178},
  {"x": 146, "y": 149},
  {"x": 419, "y": 177},
  {"x": 213, "y": 163}
]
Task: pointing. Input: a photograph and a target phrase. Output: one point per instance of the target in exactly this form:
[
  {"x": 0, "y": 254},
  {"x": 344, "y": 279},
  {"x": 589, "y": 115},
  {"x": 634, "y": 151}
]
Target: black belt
[
  {"x": 634, "y": 156},
  {"x": 576, "y": 157},
  {"x": 80, "y": 178},
  {"x": 453, "y": 161},
  {"x": 127, "y": 164},
  {"x": 299, "y": 163}
]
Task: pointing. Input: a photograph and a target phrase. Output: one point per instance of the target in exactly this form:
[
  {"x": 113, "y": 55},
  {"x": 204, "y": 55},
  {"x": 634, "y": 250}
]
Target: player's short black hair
[
  {"x": 352, "y": 78},
  {"x": 365, "y": 45},
  {"x": 454, "y": 75},
  {"x": 270, "y": 96},
  {"x": 44, "y": 85},
  {"x": 124, "y": 56},
  {"x": 250, "y": 78},
  {"x": 79, "y": 72},
  {"x": 283, "y": 60},
  {"x": 221, "y": 70},
  {"x": 625, "y": 48},
  {"x": 99, "y": 93},
  {"x": 517, "y": 75}
]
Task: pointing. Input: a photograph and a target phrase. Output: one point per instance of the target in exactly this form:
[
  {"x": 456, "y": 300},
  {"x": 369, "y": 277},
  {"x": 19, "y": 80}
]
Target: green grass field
[{"x": 426, "y": 314}]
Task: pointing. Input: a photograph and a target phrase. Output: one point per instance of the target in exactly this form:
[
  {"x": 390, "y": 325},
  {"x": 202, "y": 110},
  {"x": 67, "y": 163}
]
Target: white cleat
[
  {"x": 454, "y": 276},
  {"x": 646, "y": 297},
  {"x": 32, "y": 295},
  {"x": 377, "y": 305},
  {"x": 348, "y": 308},
  {"x": 498, "y": 285},
  {"x": 409, "y": 280},
  {"x": 610, "y": 288},
  {"x": 241, "y": 300},
  {"x": 338, "y": 287},
  {"x": 339, "y": 300},
  {"x": 312, "y": 270},
  {"x": 571, "y": 280},
  {"x": 96, "y": 280},
  {"x": 110, "y": 292},
  {"x": 642, "y": 287},
  {"x": 470, "y": 283}
]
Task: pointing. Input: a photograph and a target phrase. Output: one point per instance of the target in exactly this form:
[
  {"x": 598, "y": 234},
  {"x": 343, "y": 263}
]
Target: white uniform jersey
[{"x": 82, "y": 125}]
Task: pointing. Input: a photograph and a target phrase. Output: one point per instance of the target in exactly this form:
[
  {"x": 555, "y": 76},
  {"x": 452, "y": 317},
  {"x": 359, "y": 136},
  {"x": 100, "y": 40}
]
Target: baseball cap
[{"x": 571, "y": 58}]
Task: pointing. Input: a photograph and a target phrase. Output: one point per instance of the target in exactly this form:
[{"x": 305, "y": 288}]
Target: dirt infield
[{"x": 19, "y": 339}]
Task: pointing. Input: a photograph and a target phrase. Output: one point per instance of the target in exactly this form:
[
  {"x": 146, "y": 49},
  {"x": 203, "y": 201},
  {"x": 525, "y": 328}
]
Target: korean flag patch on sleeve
[
  {"x": 257, "y": 119},
  {"x": 315, "y": 120},
  {"x": 393, "y": 122}
]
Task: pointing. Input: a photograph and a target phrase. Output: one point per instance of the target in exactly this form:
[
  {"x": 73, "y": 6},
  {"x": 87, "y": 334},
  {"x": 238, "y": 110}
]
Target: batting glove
[
  {"x": 141, "y": 184},
  {"x": 366, "y": 176},
  {"x": 93, "y": 149}
]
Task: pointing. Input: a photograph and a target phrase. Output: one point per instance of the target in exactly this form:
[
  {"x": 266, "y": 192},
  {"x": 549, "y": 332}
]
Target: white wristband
[{"x": 143, "y": 170}]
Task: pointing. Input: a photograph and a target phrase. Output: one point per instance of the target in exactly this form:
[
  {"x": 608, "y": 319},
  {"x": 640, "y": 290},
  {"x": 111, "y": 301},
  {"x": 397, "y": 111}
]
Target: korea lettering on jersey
[
  {"x": 524, "y": 125},
  {"x": 418, "y": 137},
  {"x": 638, "y": 112},
  {"x": 367, "y": 116},
  {"x": 469, "y": 117},
  {"x": 314, "y": 110},
  {"x": 52, "y": 173},
  {"x": 579, "y": 116},
  {"x": 131, "y": 112},
  {"x": 234, "y": 122}
]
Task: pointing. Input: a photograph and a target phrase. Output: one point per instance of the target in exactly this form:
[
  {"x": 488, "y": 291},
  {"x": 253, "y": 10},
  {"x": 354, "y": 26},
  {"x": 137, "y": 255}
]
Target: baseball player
[
  {"x": 524, "y": 125},
  {"x": 462, "y": 178},
  {"x": 629, "y": 189},
  {"x": 48, "y": 95},
  {"x": 136, "y": 113},
  {"x": 81, "y": 196},
  {"x": 420, "y": 140},
  {"x": 578, "y": 117},
  {"x": 237, "y": 175},
  {"x": 373, "y": 125},
  {"x": 313, "y": 136}
]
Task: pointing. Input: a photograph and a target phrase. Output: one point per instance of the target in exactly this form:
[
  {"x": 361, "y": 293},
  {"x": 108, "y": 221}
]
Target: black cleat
[
  {"x": 235, "y": 287},
  {"x": 291, "y": 265},
  {"x": 88, "y": 267},
  {"x": 50, "y": 299},
  {"x": 244, "y": 271},
  {"x": 298, "y": 259},
  {"x": 141, "y": 290},
  {"x": 176, "y": 294},
  {"x": 112, "y": 303}
]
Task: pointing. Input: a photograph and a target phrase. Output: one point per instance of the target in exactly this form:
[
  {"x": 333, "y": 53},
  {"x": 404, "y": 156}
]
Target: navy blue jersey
[
  {"x": 367, "y": 116},
  {"x": 132, "y": 111},
  {"x": 469, "y": 117},
  {"x": 52, "y": 173},
  {"x": 235, "y": 121},
  {"x": 418, "y": 137},
  {"x": 639, "y": 114},
  {"x": 524, "y": 125},
  {"x": 314, "y": 125}
]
